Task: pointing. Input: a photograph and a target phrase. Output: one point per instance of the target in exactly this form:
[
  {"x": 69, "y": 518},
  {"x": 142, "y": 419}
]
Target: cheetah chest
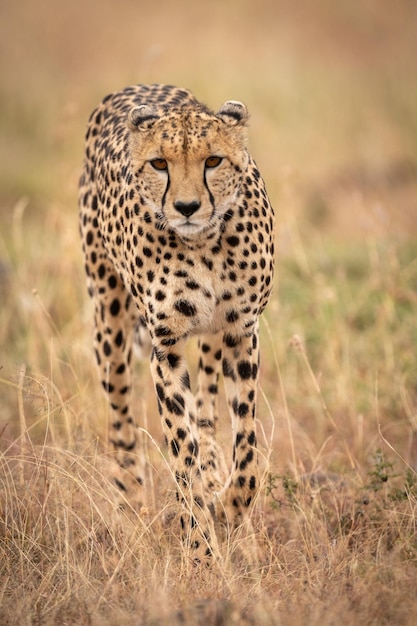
[
  {"x": 181, "y": 293},
  {"x": 195, "y": 299}
]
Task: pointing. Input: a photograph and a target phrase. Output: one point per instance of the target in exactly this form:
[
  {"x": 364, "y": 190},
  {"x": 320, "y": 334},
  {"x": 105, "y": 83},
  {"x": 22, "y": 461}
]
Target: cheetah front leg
[
  {"x": 115, "y": 322},
  {"x": 240, "y": 370},
  {"x": 213, "y": 465},
  {"x": 178, "y": 412}
]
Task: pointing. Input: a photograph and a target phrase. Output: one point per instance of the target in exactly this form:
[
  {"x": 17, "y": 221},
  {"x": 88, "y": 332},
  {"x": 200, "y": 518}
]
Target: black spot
[
  {"x": 159, "y": 295},
  {"x": 162, "y": 331},
  {"x": 233, "y": 241},
  {"x": 115, "y": 307},
  {"x": 230, "y": 341},
  {"x": 119, "y": 485},
  {"x": 173, "y": 360},
  {"x": 176, "y": 404},
  {"x": 193, "y": 448},
  {"x": 244, "y": 369},
  {"x": 228, "y": 371},
  {"x": 246, "y": 460},
  {"x": 199, "y": 502},
  {"x": 160, "y": 392},
  {"x": 243, "y": 409},
  {"x": 169, "y": 342},
  {"x": 112, "y": 282},
  {"x": 232, "y": 316},
  {"x": 186, "y": 308},
  {"x": 181, "y": 434},
  {"x": 185, "y": 381},
  {"x": 118, "y": 340},
  {"x": 239, "y": 438},
  {"x": 107, "y": 348},
  {"x": 175, "y": 447},
  {"x": 208, "y": 263}
]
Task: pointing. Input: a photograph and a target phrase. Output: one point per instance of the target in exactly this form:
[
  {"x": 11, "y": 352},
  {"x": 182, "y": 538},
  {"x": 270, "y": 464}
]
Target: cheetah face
[{"x": 189, "y": 163}]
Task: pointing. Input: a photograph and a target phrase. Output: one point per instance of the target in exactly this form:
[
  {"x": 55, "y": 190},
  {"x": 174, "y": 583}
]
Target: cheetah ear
[
  {"x": 234, "y": 112},
  {"x": 142, "y": 117}
]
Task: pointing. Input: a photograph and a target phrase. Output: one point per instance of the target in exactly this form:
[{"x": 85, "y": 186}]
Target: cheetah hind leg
[
  {"x": 127, "y": 467},
  {"x": 128, "y": 474}
]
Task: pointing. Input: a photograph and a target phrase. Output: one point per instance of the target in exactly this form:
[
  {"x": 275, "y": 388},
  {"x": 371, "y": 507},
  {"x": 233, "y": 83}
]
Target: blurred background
[{"x": 331, "y": 86}]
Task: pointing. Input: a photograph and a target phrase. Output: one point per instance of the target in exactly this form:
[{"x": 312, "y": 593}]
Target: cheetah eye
[
  {"x": 213, "y": 161},
  {"x": 159, "y": 164}
]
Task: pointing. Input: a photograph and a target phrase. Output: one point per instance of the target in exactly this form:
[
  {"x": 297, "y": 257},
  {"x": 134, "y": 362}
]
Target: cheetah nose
[{"x": 187, "y": 208}]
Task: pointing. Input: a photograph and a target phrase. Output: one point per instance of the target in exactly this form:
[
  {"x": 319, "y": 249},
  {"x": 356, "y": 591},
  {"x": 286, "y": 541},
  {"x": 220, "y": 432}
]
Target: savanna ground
[{"x": 332, "y": 87}]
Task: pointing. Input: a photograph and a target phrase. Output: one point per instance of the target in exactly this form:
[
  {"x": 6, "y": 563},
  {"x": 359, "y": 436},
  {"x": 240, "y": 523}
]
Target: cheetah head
[{"x": 189, "y": 162}]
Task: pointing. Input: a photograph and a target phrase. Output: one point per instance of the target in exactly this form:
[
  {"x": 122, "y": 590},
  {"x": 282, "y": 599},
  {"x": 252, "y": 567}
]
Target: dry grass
[{"x": 332, "y": 90}]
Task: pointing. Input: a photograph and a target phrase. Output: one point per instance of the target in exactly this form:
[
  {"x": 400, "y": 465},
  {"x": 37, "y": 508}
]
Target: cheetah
[{"x": 178, "y": 241}]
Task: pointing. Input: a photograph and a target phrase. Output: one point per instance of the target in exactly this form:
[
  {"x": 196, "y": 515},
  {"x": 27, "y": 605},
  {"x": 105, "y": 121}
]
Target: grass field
[{"x": 332, "y": 89}]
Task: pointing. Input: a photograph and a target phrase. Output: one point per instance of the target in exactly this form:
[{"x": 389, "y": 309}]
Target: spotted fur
[{"x": 178, "y": 238}]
